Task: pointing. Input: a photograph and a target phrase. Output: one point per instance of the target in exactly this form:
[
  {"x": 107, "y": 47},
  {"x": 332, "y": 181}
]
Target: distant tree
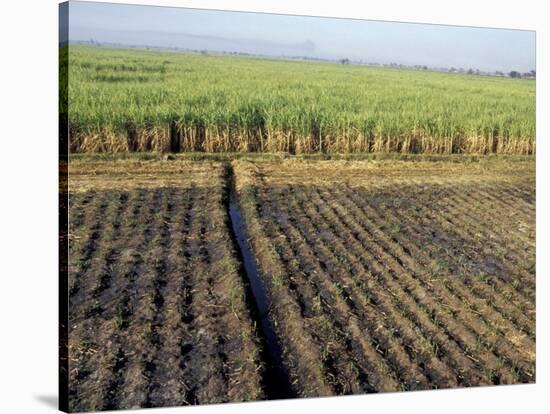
[
  {"x": 424, "y": 67},
  {"x": 499, "y": 73},
  {"x": 533, "y": 73},
  {"x": 453, "y": 69},
  {"x": 344, "y": 61},
  {"x": 470, "y": 71},
  {"x": 514, "y": 74},
  {"x": 204, "y": 52}
]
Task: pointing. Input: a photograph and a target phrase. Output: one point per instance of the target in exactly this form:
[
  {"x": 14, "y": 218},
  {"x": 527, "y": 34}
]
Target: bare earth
[{"x": 380, "y": 275}]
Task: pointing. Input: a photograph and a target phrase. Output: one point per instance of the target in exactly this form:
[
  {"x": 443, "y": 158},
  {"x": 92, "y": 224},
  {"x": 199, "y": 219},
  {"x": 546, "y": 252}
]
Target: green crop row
[{"x": 268, "y": 104}]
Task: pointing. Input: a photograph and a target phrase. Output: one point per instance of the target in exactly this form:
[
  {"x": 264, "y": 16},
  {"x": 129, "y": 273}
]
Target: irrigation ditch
[{"x": 276, "y": 379}]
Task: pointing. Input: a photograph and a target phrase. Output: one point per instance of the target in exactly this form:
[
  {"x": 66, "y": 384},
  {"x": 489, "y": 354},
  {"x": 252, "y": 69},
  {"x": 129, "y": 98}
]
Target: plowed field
[
  {"x": 358, "y": 276},
  {"x": 396, "y": 276},
  {"x": 157, "y": 312}
]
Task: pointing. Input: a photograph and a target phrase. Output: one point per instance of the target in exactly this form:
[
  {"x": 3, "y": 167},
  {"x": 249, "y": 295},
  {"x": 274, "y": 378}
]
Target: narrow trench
[{"x": 276, "y": 379}]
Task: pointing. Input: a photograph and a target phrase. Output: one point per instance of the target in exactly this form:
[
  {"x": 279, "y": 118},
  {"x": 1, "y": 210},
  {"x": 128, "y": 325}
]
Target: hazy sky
[{"x": 371, "y": 41}]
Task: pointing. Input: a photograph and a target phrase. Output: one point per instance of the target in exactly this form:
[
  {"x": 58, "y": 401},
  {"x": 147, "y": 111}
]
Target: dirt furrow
[
  {"x": 449, "y": 285},
  {"x": 443, "y": 249},
  {"x": 138, "y": 335},
  {"x": 501, "y": 271},
  {"x": 84, "y": 248},
  {"x": 95, "y": 388},
  {"x": 168, "y": 383},
  {"x": 305, "y": 371},
  {"x": 317, "y": 307},
  {"x": 347, "y": 251},
  {"x": 321, "y": 258},
  {"x": 496, "y": 228},
  {"x": 447, "y": 347},
  {"x": 419, "y": 285}
]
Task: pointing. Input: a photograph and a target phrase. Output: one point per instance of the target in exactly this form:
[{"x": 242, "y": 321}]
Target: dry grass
[
  {"x": 86, "y": 175},
  {"x": 394, "y": 172}
]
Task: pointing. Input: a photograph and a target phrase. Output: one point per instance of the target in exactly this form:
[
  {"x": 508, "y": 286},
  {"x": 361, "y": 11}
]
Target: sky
[{"x": 281, "y": 35}]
